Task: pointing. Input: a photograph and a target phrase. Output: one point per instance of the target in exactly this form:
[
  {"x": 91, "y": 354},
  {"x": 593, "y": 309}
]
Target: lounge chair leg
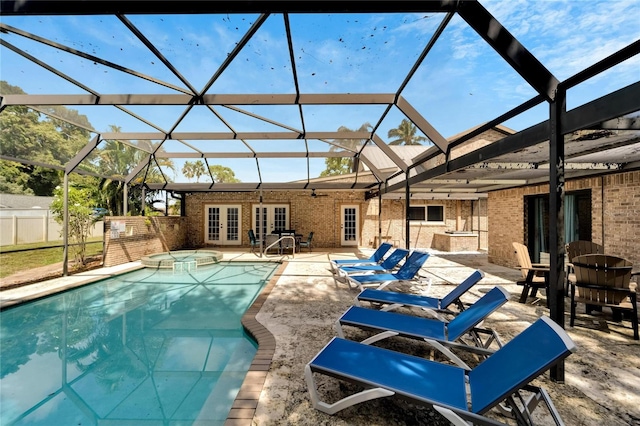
[
  {"x": 451, "y": 416},
  {"x": 446, "y": 352},
  {"x": 383, "y": 285},
  {"x": 378, "y": 337},
  {"x": 347, "y": 402},
  {"x": 523, "y": 295}
]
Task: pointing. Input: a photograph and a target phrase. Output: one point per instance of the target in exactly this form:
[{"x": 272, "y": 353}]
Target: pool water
[{"x": 151, "y": 346}]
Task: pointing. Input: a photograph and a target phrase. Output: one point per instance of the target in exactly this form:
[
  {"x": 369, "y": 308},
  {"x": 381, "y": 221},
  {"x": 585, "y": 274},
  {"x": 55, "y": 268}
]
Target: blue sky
[{"x": 462, "y": 82}]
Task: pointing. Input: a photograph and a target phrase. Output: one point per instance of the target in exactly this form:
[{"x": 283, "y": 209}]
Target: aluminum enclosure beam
[
  {"x": 422, "y": 124},
  {"x": 214, "y": 99},
  {"x": 616, "y": 104},
  {"x": 112, "y": 7},
  {"x": 507, "y": 46},
  {"x": 230, "y": 135}
]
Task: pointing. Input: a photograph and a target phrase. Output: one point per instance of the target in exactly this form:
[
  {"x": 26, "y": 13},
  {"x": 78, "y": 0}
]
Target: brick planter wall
[{"x": 142, "y": 236}]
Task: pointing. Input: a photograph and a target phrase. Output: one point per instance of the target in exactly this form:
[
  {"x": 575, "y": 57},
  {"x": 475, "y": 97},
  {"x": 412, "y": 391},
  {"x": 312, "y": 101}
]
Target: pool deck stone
[{"x": 16, "y": 295}]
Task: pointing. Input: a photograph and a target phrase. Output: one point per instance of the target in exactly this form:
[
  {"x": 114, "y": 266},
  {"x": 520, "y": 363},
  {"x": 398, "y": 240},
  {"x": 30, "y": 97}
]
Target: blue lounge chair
[
  {"x": 502, "y": 377},
  {"x": 393, "y": 300},
  {"x": 387, "y": 264},
  {"x": 438, "y": 334},
  {"x": 407, "y": 272},
  {"x": 376, "y": 257}
]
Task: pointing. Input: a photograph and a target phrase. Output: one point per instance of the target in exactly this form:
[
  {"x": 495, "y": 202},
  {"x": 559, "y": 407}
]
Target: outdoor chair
[
  {"x": 603, "y": 280},
  {"x": 307, "y": 243},
  {"x": 376, "y": 257},
  {"x": 578, "y": 248},
  {"x": 440, "y": 335},
  {"x": 288, "y": 243},
  {"x": 253, "y": 241},
  {"x": 459, "y": 394},
  {"x": 387, "y": 265},
  {"x": 270, "y": 239},
  {"x": 407, "y": 272},
  {"x": 534, "y": 275},
  {"x": 391, "y": 300}
]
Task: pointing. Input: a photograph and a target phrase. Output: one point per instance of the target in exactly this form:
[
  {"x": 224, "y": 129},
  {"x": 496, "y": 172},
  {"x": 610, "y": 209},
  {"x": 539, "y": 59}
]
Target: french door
[
  {"x": 274, "y": 217},
  {"x": 349, "y": 225},
  {"x": 223, "y": 224}
]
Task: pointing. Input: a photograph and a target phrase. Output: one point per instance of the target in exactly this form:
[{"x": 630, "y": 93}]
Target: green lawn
[{"x": 12, "y": 261}]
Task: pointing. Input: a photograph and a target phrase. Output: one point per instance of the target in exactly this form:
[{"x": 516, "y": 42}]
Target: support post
[
  {"x": 260, "y": 227},
  {"x": 125, "y": 200},
  {"x": 379, "y": 215},
  {"x": 143, "y": 202},
  {"x": 65, "y": 227},
  {"x": 557, "y": 111},
  {"x": 407, "y": 197}
]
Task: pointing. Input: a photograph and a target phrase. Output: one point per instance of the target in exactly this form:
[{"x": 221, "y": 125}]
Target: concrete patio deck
[{"x": 293, "y": 319}]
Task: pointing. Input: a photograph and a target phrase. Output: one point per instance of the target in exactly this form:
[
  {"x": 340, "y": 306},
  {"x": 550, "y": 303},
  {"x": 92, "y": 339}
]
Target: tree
[
  {"x": 81, "y": 217},
  {"x": 347, "y": 164},
  {"x": 405, "y": 134},
  {"x": 222, "y": 174},
  {"x": 195, "y": 169},
  {"x": 28, "y": 134},
  {"x": 117, "y": 160}
]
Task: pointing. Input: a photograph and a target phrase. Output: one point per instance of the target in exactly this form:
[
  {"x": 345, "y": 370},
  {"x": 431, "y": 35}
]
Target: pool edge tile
[{"x": 249, "y": 395}]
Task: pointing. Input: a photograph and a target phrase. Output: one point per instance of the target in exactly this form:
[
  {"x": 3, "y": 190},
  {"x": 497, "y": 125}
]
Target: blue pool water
[{"x": 148, "y": 347}]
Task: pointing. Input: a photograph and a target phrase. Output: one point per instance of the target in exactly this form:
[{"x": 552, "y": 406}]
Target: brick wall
[
  {"x": 615, "y": 219},
  {"x": 393, "y": 222},
  {"x": 142, "y": 236},
  {"x": 320, "y": 214}
]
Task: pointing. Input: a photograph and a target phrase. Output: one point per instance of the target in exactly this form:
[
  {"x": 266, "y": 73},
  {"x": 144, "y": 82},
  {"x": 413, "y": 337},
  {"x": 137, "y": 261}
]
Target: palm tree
[
  {"x": 195, "y": 169},
  {"x": 337, "y": 165},
  {"x": 405, "y": 134}
]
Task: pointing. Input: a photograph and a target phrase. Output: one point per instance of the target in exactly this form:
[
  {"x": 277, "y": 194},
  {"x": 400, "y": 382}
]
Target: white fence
[{"x": 18, "y": 229}]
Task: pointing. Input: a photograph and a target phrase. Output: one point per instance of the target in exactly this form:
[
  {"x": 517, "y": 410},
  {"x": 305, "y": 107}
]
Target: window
[
  {"x": 435, "y": 213},
  {"x": 429, "y": 214},
  {"x": 416, "y": 213}
]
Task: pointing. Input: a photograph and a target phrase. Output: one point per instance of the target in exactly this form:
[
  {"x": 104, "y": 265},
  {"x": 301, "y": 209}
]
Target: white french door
[
  {"x": 223, "y": 224},
  {"x": 274, "y": 216},
  {"x": 349, "y": 225}
]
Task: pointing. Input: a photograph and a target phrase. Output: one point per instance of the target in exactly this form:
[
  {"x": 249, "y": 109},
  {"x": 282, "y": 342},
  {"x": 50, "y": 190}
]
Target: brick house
[
  {"x": 440, "y": 220},
  {"x": 605, "y": 207}
]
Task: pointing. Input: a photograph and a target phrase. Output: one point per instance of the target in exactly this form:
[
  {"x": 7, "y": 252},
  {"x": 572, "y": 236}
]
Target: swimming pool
[{"x": 149, "y": 346}]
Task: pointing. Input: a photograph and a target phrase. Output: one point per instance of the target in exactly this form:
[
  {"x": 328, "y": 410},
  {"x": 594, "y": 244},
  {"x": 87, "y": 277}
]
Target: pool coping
[{"x": 244, "y": 406}]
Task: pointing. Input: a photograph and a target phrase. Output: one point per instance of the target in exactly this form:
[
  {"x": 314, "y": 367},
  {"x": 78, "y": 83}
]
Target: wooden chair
[
  {"x": 604, "y": 280},
  {"x": 578, "y": 248},
  {"x": 534, "y": 275}
]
